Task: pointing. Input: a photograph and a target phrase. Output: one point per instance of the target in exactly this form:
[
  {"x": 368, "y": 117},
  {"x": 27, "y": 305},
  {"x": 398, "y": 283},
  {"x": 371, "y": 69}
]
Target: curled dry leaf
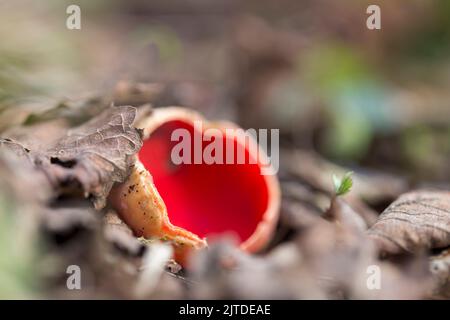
[
  {"x": 96, "y": 154},
  {"x": 91, "y": 157},
  {"x": 33, "y": 188},
  {"x": 414, "y": 221}
]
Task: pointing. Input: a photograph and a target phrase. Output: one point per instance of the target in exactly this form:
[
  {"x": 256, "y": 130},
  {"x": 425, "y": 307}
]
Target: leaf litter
[{"x": 327, "y": 239}]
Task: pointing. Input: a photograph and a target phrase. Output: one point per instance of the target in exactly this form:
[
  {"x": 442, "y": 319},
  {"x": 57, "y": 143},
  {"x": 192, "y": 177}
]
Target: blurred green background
[
  {"x": 310, "y": 68},
  {"x": 368, "y": 98}
]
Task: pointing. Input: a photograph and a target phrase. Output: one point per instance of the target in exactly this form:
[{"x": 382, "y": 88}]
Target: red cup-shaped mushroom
[{"x": 196, "y": 179}]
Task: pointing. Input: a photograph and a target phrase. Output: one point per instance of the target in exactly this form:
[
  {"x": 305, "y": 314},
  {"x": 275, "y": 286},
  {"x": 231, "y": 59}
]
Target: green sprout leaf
[{"x": 343, "y": 186}]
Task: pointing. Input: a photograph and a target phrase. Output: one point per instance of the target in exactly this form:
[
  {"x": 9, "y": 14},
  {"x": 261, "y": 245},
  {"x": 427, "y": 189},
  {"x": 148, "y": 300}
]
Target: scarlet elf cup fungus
[{"x": 188, "y": 201}]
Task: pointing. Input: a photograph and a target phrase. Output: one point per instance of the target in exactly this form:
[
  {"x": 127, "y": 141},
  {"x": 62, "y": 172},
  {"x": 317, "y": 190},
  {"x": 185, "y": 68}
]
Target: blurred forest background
[
  {"x": 310, "y": 68},
  {"x": 369, "y": 100}
]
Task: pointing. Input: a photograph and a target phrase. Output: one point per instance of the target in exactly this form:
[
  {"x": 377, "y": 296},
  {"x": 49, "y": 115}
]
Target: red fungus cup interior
[{"x": 206, "y": 199}]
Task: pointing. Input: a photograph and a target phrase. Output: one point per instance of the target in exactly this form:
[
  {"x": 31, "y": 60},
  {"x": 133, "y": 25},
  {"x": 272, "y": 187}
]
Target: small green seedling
[{"x": 343, "y": 186}]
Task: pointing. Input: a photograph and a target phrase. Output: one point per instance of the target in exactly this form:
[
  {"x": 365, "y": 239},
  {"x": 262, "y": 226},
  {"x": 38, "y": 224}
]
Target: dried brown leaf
[
  {"x": 94, "y": 155},
  {"x": 416, "y": 220},
  {"x": 91, "y": 157}
]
